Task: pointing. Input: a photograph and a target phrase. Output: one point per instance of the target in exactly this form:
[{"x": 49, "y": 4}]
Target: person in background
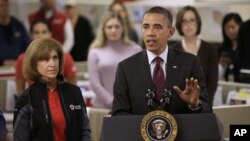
[
  {"x": 3, "y": 129},
  {"x": 41, "y": 29},
  {"x": 50, "y": 109},
  {"x": 14, "y": 39},
  {"x": 157, "y": 68},
  {"x": 227, "y": 51},
  {"x": 83, "y": 35},
  {"x": 119, "y": 7},
  {"x": 188, "y": 24},
  {"x": 243, "y": 53},
  {"x": 61, "y": 27},
  {"x": 110, "y": 47}
]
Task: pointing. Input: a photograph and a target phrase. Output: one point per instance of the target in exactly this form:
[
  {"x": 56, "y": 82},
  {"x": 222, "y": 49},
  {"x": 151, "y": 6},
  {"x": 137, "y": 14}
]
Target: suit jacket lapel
[
  {"x": 172, "y": 68},
  {"x": 145, "y": 73}
]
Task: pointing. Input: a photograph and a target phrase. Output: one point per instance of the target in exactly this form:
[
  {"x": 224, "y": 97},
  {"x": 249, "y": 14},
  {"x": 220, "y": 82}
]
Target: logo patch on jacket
[{"x": 75, "y": 107}]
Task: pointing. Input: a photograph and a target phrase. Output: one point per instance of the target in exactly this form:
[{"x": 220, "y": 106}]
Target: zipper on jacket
[
  {"x": 47, "y": 115},
  {"x": 66, "y": 111},
  {"x": 63, "y": 103},
  {"x": 45, "y": 111}
]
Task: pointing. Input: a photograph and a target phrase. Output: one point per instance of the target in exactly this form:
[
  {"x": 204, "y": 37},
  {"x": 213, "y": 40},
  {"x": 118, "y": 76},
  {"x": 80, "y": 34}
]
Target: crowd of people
[{"x": 120, "y": 70}]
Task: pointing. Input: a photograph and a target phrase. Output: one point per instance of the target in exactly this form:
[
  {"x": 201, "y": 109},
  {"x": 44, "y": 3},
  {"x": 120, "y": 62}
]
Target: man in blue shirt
[{"x": 14, "y": 39}]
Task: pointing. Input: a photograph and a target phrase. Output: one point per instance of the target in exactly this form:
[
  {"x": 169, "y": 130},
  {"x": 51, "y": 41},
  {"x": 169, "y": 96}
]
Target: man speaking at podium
[{"x": 159, "y": 77}]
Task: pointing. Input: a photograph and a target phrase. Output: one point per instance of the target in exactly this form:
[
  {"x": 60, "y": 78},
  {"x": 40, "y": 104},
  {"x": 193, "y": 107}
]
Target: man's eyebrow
[{"x": 157, "y": 24}]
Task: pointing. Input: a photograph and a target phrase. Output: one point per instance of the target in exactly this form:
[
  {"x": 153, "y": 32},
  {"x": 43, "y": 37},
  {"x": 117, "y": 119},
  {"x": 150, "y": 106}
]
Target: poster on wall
[{"x": 216, "y": 19}]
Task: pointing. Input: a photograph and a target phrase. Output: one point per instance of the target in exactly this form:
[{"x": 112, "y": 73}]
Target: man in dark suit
[{"x": 182, "y": 73}]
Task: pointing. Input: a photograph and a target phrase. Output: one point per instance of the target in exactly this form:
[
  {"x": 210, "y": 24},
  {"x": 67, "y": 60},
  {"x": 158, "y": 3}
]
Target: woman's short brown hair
[
  {"x": 179, "y": 19},
  {"x": 39, "y": 49}
]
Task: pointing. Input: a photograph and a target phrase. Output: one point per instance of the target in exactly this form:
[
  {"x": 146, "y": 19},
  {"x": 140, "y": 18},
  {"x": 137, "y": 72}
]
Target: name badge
[{"x": 75, "y": 107}]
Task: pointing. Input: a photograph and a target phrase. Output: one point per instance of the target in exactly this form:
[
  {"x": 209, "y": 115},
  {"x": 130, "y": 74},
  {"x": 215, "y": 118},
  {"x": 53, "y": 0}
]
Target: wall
[{"x": 211, "y": 12}]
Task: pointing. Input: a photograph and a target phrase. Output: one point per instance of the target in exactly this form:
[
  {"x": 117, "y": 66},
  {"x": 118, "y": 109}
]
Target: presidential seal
[{"x": 158, "y": 126}]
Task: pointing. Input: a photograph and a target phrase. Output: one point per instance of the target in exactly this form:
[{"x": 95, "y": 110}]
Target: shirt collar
[
  {"x": 163, "y": 55},
  {"x": 198, "y": 43}
]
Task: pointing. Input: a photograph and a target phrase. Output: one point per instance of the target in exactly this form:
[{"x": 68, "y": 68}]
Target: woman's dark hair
[
  {"x": 37, "y": 22},
  {"x": 227, "y": 43}
]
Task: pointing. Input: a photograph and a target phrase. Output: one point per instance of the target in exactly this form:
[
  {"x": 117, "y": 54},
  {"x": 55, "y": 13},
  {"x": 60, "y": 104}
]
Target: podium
[{"x": 191, "y": 127}]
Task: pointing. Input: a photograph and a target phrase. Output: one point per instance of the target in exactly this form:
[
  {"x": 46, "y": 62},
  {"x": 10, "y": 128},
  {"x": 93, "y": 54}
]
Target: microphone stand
[
  {"x": 166, "y": 99},
  {"x": 150, "y": 99},
  {"x": 163, "y": 104}
]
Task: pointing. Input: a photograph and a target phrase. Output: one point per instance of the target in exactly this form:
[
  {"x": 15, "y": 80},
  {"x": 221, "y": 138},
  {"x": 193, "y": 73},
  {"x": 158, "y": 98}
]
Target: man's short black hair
[{"x": 161, "y": 10}]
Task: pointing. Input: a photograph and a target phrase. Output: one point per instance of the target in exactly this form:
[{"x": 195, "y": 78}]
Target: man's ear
[{"x": 171, "y": 32}]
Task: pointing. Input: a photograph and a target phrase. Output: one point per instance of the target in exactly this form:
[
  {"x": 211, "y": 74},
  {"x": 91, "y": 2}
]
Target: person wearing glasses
[{"x": 188, "y": 25}]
